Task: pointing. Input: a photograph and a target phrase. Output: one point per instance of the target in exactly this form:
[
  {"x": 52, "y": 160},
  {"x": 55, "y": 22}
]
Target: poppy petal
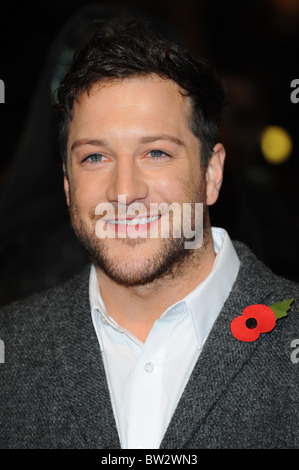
[
  {"x": 242, "y": 332},
  {"x": 264, "y": 316}
]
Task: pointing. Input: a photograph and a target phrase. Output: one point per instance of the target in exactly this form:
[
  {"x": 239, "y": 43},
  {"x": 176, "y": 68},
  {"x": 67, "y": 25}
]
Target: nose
[{"x": 127, "y": 180}]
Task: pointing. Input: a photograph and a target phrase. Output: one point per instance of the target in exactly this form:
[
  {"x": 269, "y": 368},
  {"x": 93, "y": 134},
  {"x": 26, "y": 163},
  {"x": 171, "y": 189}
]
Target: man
[{"x": 148, "y": 347}]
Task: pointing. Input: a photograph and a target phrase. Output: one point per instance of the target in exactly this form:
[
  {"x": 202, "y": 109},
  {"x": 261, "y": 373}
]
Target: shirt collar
[{"x": 205, "y": 302}]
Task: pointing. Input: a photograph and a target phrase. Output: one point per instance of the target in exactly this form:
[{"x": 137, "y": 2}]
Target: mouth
[
  {"x": 134, "y": 225},
  {"x": 134, "y": 221}
]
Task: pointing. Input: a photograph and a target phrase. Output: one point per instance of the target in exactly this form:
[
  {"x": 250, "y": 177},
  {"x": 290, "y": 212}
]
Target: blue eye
[
  {"x": 157, "y": 153},
  {"x": 96, "y": 157}
]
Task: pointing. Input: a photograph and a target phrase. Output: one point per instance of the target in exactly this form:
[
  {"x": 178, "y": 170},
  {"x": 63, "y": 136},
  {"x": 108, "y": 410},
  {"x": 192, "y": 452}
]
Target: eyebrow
[
  {"x": 94, "y": 142},
  {"x": 154, "y": 138},
  {"x": 142, "y": 140}
]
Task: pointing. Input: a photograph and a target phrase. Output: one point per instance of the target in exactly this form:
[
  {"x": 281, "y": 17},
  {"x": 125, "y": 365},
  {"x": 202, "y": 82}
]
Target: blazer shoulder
[
  {"x": 259, "y": 277},
  {"x": 40, "y": 305},
  {"x": 257, "y": 284}
]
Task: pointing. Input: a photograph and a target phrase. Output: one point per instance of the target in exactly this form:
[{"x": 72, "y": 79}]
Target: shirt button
[
  {"x": 104, "y": 319},
  {"x": 149, "y": 367}
]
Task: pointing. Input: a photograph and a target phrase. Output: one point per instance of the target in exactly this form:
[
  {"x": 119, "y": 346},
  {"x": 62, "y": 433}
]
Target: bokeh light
[{"x": 276, "y": 144}]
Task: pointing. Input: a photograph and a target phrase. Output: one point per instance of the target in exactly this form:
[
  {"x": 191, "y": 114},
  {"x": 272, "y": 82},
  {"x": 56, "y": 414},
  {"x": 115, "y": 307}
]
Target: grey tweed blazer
[{"x": 54, "y": 394}]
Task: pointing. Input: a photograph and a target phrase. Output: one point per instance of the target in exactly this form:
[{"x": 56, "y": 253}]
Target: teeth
[{"x": 136, "y": 221}]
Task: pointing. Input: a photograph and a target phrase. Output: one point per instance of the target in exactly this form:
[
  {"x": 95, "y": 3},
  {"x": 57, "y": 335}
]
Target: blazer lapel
[
  {"x": 81, "y": 367},
  {"x": 220, "y": 360}
]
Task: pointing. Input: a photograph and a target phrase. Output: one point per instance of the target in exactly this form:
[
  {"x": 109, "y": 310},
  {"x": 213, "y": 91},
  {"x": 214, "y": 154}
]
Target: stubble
[{"x": 169, "y": 260}]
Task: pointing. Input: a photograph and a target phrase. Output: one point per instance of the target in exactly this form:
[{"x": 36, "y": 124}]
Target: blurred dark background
[{"x": 254, "y": 47}]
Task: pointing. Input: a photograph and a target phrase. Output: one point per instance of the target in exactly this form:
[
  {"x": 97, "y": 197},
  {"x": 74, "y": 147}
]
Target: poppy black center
[{"x": 251, "y": 323}]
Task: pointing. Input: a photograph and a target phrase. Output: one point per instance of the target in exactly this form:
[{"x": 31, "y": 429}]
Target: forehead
[{"x": 134, "y": 100}]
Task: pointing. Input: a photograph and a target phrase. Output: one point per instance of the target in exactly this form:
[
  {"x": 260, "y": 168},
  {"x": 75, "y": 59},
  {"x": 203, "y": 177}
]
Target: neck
[{"x": 137, "y": 308}]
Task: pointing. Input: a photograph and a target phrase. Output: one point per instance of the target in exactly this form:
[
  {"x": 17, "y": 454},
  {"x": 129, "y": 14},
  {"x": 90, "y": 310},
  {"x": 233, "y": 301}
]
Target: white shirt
[{"x": 146, "y": 380}]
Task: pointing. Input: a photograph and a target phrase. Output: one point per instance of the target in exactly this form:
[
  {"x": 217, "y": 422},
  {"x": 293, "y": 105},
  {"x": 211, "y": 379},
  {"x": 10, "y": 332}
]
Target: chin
[
  {"x": 134, "y": 268},
  {"x": 163, "y": 260},
  {"x": 134, "y": 261},
  {"x": 130, "y": 276}
]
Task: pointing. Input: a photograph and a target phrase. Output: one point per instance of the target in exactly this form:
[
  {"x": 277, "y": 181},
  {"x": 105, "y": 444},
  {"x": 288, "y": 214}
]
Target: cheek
[
  {"x": 176, "y": 189},
  {"x": 87, "y": 192},
  {"x": 167, "y": 189},
  {"x": 185, "y": 187}
]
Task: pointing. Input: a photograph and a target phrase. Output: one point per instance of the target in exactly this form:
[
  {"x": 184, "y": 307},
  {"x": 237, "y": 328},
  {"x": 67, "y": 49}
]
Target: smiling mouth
[
  {"x": 133, "y": 226},
  {"x": 134, "y": 221}
]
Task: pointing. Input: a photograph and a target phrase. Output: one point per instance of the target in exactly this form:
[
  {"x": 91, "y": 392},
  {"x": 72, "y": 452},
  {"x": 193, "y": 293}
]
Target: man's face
[{"x": 131, "y": 138}]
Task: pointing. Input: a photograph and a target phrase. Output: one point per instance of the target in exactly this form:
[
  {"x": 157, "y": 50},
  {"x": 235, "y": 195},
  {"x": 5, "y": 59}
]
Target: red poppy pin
[{"x": 257, "y": 319}]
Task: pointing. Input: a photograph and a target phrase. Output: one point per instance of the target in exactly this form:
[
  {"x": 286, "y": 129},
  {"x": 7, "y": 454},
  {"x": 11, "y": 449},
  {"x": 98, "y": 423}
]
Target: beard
[{"x": 168, "y": 260}]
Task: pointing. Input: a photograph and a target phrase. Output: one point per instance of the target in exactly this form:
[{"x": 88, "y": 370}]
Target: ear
[
  {"x": 214, "y": 173},
  {"x": 66, "y": 184}
]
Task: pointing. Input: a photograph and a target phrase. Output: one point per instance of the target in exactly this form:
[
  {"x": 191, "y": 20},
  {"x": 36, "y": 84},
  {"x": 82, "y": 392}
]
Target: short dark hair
[{"x": 130, "y": 48}]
